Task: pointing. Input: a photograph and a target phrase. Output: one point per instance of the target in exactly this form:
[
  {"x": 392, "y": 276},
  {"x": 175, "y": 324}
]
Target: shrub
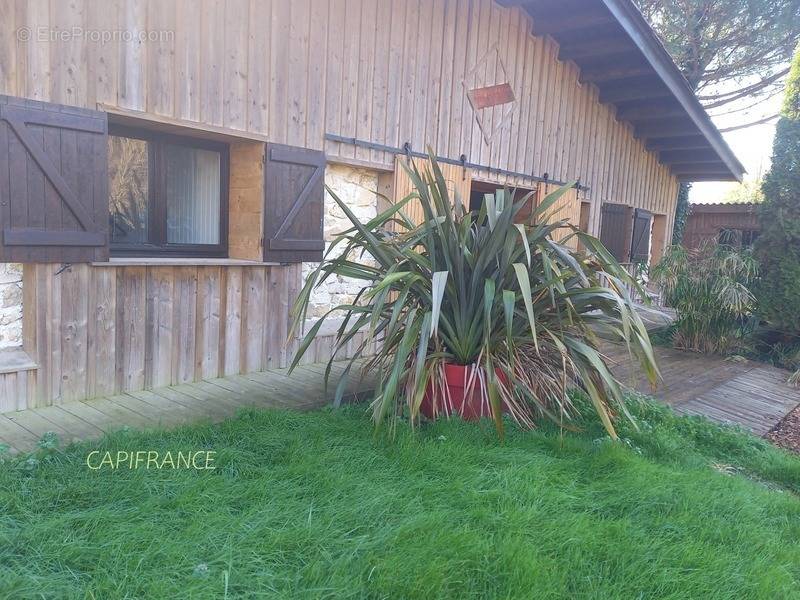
[
  {"x": 709, "y": 290},
  {"x": 778, "y": 245},
  {"x": 479, "y": 289}
]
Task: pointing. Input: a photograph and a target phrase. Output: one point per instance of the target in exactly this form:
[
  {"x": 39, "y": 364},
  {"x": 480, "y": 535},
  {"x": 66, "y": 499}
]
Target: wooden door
[{"x": 457, "y": 178}]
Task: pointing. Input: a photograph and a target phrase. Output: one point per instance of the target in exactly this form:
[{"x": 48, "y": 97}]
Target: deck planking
[
  {"x": 746, "y": 393},
  {"x": 208, "y": 400},
  {"x": 733, "y": 392}
]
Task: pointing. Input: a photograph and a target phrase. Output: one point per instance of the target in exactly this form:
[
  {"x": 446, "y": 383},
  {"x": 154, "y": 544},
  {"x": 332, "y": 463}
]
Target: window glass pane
[
  {"x": 192, "y": 194},
  {"x": 128, "y": 189}
]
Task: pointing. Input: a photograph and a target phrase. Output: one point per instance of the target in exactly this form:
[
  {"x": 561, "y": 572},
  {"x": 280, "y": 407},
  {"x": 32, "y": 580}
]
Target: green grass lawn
[{"x": 312, "y": 506}]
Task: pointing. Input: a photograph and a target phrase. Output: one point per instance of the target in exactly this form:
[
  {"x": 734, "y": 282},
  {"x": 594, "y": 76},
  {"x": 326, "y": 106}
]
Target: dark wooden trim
[
  {"x": 284, "y": 244},
  {"x": 278, "y": 153},
  {"x": 42, "y": 237},
  {"x": 592, "y": 48},
  {"x": 640, "y": 234},
  {"x": 687, "y": 142},
  {"x": 689, "y": 166},
  {"x": 649, "y": 109},
  {"x": 662, "y": 128},
  {"x": 700, "y": 169},
  {"x": 694, "y": 178},
  {"x": 557, "y": 22},
  {"x": 50, "y": 118},
  {"x": 688, "y": 155},
  {"x": 644, "y": 90},
  {"x": 51, "y": 172},
  {"x": 606, "y": 73}
]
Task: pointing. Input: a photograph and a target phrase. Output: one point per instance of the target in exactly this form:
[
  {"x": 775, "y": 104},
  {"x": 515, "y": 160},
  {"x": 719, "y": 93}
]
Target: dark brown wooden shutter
[
  {"x": 640, "y": 242},
  {"x": 53, "y": 182},
  {"x": 613, "y": 230},
  {"x": 294, "y": 190}
]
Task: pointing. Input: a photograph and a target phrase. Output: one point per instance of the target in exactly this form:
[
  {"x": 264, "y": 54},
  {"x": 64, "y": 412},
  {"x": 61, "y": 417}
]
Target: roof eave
[{"x": 642, "y": 35}]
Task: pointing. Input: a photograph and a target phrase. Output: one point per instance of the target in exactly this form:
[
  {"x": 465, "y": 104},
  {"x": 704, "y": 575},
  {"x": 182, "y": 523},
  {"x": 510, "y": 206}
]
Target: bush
[
  {"x": 778, "y": 246},
  {"x": 479, "y": 289},
  {"x": 709, "y": 290}
]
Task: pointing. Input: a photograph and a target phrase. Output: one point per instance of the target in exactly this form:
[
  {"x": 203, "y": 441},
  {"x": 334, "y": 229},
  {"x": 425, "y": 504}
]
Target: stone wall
[
  {"x": 10, "y": 305},
  {"x": 356, "y": 187}
]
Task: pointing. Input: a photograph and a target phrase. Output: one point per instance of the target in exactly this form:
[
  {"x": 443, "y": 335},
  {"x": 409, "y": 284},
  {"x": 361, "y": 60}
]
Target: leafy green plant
[
  {"x": 479, "y": 289},
  {"x": 709, "y": 288}
]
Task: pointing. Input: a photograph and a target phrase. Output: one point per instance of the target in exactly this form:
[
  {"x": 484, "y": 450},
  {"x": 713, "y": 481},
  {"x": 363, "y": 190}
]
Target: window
[
  {"x": 738, "y": 238},
  {"x": 167, "y": 194}
]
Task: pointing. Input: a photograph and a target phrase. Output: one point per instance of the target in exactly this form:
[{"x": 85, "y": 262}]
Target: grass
[{"x": 312, "y": 506}]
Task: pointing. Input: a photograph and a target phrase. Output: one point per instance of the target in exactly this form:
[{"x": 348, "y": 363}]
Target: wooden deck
[
  {"x": 750, "y": 394},
  {"x": 744, "y": 392},
  {"x": 214, "y": 400}
]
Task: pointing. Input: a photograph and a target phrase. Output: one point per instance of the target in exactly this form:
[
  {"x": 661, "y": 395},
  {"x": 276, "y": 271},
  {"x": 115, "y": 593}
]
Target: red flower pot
[{"x": 462, "y": 393}]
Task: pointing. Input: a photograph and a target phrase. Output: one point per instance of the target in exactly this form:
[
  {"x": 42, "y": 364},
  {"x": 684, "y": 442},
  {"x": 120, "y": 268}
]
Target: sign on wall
[{"x": 490, "y": 93}]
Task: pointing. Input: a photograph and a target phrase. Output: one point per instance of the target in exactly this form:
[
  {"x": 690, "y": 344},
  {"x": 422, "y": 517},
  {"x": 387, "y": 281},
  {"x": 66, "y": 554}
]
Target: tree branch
[
  {"x": 741, "y": 93},
  {"x": 754, "y": 123}
]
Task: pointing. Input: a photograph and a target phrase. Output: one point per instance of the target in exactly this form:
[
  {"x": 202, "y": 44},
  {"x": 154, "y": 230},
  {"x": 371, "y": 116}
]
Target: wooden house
[{"x": 162, "y": 162}]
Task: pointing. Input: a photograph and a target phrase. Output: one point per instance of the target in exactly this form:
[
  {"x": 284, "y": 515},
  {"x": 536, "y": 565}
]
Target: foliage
[
  {"x": 774, "y": 347},
  {"x": 681, "y": 212},
  {"x": 778, "y": 245},
  {"x": 479, "y": 289},
  {"x": 306, "y": 505},
  {"x": 728, "y": 41},
  {"x": 732, "y": 52},
  {"x": 709, "y": 289},
  {"x": 747, "y": 192}
]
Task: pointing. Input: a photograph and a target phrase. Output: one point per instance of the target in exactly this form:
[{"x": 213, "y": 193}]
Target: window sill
[
  {"x": 152, "y": 261},
  {"x": 14, "y": 360}
]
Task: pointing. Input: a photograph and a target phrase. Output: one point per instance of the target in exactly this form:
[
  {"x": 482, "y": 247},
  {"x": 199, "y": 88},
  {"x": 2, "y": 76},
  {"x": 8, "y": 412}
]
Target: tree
[
  {"x": 749, "y": 191},
  {"x": 733, "y": 53},
  {"x": 719, "y": 42},
  {"x": 778, "y": 246}
]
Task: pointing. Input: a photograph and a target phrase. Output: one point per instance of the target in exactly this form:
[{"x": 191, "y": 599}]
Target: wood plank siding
[
  {"x": 104, "y": 330},
  {"x": 377, "y": 70}
]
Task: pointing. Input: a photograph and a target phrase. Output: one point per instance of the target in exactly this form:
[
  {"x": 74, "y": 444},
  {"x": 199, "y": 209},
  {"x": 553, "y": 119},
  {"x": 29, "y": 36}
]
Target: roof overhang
[
  {"x": 723, "y": 208},
  {"x": 615, "y": 49}
]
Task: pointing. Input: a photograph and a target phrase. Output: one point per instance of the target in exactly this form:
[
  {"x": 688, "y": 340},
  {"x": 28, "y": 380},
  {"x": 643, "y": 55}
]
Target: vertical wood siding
[
  {"x": 104, "y": 330},
  {"x": 381, "y": 70}
]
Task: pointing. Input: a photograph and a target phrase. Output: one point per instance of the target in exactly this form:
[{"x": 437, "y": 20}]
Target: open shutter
[
  {"x": 53, "y": 183},
  {"x": 614, "y": 230},
  {"x": 640, "y": 242},
  {"x": 294, "y": 196}
]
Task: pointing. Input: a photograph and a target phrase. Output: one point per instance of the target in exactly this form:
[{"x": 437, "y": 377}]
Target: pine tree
[{"x": 778, "y": 246}]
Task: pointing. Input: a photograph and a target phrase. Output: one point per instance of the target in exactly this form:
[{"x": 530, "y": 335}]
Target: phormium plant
[{"x": 521, "y": 312}]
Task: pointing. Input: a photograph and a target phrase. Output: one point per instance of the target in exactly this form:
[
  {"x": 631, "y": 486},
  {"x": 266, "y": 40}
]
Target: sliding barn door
[
  {"x": 567, "y": 207},
  {"x": 457, "y": 179}
]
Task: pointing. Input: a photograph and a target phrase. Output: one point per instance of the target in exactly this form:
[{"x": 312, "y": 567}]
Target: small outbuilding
[{"x": 734, "y": 224}]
